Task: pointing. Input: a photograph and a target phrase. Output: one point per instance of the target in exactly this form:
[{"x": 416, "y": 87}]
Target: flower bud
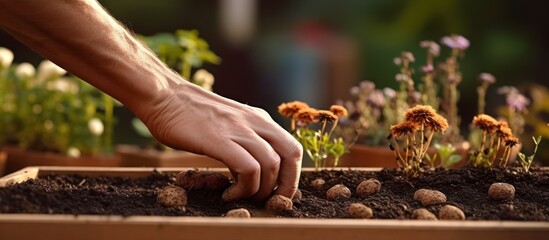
[
  {"x": 96, "y": 126},
  {"x": 25, "y": 70},
  {"x": 73, "y": 152},
  {"x": 48, "y": 69},
  {"x": 6, "y": 58}
]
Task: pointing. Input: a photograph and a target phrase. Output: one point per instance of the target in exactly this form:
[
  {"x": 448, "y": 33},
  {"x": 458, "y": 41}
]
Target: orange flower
[
  {"x": 421, "y": 114},
  {"x": 512, "y": 141},
  {"x": 339, "y": 110},
  {"x": 503, "y": 130},
  {"x": 438, "y": 123},
  {"x": 289, "y": 109},
  {"x": 486, "y": 123},
  {"x": 324, "y": 115},
  {"x": 306, "y": 115},
  {"x": 404, "y": 128}
]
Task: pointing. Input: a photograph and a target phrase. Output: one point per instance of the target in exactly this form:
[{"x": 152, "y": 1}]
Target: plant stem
[{"x": 107, "y": 137}]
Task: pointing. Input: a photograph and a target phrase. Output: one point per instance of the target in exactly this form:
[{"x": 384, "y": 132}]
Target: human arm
[{"x": 80, "y": 36}]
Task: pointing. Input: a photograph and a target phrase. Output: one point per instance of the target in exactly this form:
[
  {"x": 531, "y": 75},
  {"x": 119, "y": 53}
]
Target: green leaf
[
  {"x": 453, "y": 160},
  {"x": 537, "y": 141}
]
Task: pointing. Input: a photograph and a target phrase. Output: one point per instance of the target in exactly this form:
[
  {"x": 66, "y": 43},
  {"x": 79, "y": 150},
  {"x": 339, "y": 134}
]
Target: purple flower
[
  {"x": 518, "y": 102},
  {"x": 367, "y": 85},
  {"x": 514, "y": 98},
  {"x": 455, "y": 42},
  {"x": 397, "y": 61},
  {"x": 408, "y": 56},
  {"x": 427, "y": 69},
  {"x": 404, "y": 56},
  {"x": 377, "y": 99},
  {"x": 389, "y": 92},
  {"x": 432, "y": 47},
  {"x": 355, "y": 91},
  {"x": 454, "y": 79},
  {"x": 487, "y": 78},
  {"x": 400, "y": 77}
]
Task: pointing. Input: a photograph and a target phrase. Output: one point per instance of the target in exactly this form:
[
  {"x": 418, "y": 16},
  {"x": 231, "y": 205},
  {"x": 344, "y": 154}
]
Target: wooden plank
[
  {"x": 215, "y": 228},
  {"x": 33, "y": 226}
]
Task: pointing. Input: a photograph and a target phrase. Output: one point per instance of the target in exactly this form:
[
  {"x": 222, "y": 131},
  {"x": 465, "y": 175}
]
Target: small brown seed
[
  {"x": 429, "y": 197},
  {"x": 450, "y": 212},
  {"x": 338, "y": 191},
  {"x": 359, "y": 210},
  {"x": 423, "y": 214},
  {"x": 318, "y": 183},
  {"x": 368, "y": 187},
  {"x": 238, "y": 213},
  {"x": 172, "y": 196},
  {"x": 501, "y": 191},
  {"x": 278, "y": 203}
]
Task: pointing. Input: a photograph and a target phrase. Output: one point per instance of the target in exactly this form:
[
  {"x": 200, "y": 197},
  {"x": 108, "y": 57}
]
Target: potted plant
[
  {"x": 372, "y": 111},
  {"x": 49, "y": 118},
  {"x": 183, "y": 51}
]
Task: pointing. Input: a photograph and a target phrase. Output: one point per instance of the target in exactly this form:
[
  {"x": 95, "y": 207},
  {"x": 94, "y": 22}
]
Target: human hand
[{"x": 261, "y": 155}]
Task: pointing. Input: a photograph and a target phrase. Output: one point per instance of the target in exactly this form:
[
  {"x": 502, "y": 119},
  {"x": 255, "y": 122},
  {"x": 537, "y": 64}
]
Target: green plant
[
  {"x": 372, "y": 109},
  {"x": 183, "y": 51},
  {"x": 46, "y": 110},
  {"x": 446, "y": 154},
  {"x": 317, "y": 141},
  {"x": 525, "y": 161}
]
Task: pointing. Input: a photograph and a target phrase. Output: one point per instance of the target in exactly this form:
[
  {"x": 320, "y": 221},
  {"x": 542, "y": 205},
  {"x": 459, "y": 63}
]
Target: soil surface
[{"x": 465, "y": 188}]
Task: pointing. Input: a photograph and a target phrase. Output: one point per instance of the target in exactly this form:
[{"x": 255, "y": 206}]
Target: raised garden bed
[{"x": 87, "y": 206}]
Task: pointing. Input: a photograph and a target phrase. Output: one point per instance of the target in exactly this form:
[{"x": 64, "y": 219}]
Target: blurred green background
[{"x": 315, "y": 50}]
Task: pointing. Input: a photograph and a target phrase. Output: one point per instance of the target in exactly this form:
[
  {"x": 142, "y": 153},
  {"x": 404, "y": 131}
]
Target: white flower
[
  {"x": 204, "y": 79},
  {"x": 73, "y": 152},
  {"x": 48, "y": 69},
  {"x": 96, "y": 126},
  {"x": 63, "y": 84},
  {"x": 6, "y": 58},
  {"x": 25, "y": 70}
]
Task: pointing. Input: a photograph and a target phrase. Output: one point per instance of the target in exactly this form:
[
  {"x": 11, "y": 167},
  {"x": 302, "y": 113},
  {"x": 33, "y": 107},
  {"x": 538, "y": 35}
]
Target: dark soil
[{"x": 465, "y": 188}]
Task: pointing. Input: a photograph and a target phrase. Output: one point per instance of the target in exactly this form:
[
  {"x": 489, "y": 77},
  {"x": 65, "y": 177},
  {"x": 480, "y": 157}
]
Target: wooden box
[{"x": 43, "y": 226}]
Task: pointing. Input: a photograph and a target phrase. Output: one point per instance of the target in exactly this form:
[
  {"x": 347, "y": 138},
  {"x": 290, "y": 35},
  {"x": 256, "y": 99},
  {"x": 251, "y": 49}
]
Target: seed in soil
[
  {"x": 318, "y": 183},
  {"x": 423, "y": 214},
  {"x": 501, "y": 191},
  {"x": 449, "y": 212},
  {"x": 368, "y": 187},
  {"x": 278, "y": 203},
  {"x": 359, "y": 210},
  {"x": 429, "y": 197},
  {"x": 172, "y": 196},
  {"x": 238, "y": 213},
  {"x": 338, "y": 191}
]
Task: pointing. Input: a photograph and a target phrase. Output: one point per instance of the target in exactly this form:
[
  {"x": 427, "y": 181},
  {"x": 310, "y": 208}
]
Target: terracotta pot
[
  {"x": 36, "y": 226},
  {"x": 18, "y": 158},
  {"x": 360, "y": 155},
  {"x": 3, "y": 160},
  {"x": 134, "y": 156}
]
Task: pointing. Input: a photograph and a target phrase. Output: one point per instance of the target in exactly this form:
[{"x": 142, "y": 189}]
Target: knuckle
[
  {"x": 274, "y": 162},
  {"x": 296, "y": 151}
]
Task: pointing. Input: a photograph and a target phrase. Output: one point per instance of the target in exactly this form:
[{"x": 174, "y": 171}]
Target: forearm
[{"x": 81, "y": 37}]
